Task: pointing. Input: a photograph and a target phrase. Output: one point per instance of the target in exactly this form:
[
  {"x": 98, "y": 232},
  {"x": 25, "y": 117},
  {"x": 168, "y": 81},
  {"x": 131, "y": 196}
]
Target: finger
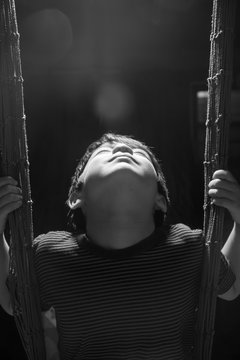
[
  {"x": 224, "y": 184},
  {"x": 10, "y": 207},
  {"x": 5, "y": 180},
  {"x": 225, "y": 175},
  {"x": 222, "y": 193},
  {"x": 226, "y": 203},
  {"x": 9, "y": 189},
  {"x": 8, "y": 199}
]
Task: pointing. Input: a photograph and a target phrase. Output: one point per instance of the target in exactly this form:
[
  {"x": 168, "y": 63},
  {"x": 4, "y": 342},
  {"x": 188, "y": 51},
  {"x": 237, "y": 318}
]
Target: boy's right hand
[{"x": 10, "y": 199}]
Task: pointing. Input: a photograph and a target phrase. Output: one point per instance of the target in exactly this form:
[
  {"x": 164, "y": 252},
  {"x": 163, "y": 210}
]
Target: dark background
[{"x": 129, "y": 66}]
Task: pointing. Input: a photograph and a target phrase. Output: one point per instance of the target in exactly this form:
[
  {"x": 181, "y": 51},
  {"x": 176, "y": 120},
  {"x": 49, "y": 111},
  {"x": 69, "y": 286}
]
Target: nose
[{"x": 122, "y": 148}]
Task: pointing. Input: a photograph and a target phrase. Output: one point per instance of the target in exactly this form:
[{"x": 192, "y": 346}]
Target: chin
[{"x": 123, "y": 192}]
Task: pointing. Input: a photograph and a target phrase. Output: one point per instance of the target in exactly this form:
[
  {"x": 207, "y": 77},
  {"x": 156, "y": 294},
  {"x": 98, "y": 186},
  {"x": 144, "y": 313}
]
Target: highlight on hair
[{"x": 76, "y": 219}]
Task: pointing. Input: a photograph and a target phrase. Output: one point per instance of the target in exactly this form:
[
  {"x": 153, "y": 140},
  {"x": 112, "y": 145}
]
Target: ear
[
  {"x": 75, "y": 200},
  {"x": 161, "y": 203}
]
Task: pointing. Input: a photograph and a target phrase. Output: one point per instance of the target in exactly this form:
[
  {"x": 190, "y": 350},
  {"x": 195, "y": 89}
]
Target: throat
[{"x": 119, "y": 232}]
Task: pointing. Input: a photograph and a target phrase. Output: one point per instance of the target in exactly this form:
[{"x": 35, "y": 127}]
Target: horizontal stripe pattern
[{"x": 132, "y": 304}]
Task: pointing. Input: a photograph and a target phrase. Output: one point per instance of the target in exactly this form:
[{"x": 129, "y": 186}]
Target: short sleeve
[
  {"x": 38, "y": 256},
  {"x": 226, "y": 276}
]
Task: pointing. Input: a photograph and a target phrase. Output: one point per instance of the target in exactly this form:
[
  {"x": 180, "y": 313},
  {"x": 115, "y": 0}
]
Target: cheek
[
  {"x": 150, "y": 180},
  {"x": 92, "y": 169},
  {"x": 149, "y": 172},
  {"x": 91, "y": 178}
]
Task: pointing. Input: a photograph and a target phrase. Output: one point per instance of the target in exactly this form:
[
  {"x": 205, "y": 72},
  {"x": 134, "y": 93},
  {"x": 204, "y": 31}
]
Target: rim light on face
[
  {"x": 105, "y": 144},
  {"x": 105, "y": 149}
]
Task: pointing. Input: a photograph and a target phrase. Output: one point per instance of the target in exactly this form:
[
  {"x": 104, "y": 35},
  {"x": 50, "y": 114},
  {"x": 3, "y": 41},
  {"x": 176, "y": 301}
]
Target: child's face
[{"x": 118, "y": 167}]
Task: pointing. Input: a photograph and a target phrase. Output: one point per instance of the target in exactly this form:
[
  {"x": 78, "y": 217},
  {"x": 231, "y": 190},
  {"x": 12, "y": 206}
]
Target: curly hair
[{"x": 76, "y": 219}]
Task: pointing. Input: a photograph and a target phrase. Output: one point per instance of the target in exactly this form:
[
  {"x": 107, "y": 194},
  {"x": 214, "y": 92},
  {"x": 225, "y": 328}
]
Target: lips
[{"x": 124, "y": 156}]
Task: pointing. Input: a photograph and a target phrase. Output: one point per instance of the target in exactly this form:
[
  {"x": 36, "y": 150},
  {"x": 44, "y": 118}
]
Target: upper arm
[
  {"x": 5, "y": 299},
  {"x": 50, "y": 334},
  {"x": 232, "y": 293},
  {"x": 7, "y": 307}
]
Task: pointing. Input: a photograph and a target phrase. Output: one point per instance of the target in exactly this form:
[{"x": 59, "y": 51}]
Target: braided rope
[
  {"x": 215, "y": 157},
  {"x": 14, "y": 162}
]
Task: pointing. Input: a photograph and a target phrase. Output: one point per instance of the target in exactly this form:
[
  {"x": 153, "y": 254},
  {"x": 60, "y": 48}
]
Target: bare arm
[
  {"x": 10, "y": 200},
  {"x": 50, "y": 334},
  {"x": 231, "y": 250},
  {"x": 225, "y": 191},
  {"x": 4, "y": 262}
]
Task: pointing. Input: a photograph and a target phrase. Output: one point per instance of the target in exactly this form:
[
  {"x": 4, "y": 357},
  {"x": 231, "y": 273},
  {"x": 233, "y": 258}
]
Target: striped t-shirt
[{"x": 136, "y": 303}]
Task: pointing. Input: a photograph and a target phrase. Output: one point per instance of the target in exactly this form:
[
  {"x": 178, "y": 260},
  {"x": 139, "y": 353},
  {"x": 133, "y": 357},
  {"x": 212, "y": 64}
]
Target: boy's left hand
[{"x": 224, "y": 191}]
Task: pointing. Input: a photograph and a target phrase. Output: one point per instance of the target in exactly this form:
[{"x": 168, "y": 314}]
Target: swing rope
[
  {"x": 14, "y": 162},
  {"x": 215, "y": 157}
]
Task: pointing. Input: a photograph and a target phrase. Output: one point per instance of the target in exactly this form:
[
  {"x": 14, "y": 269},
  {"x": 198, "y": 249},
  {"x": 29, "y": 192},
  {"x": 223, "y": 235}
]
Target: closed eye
[
  {"x": 136, "y": 151},
  {"x": 143, "y": 153},
  {"x": 100, "y": 151}
]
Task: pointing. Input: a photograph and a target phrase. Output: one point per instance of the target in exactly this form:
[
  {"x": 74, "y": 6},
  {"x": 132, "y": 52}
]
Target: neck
[{"x": 119, "y": 232}]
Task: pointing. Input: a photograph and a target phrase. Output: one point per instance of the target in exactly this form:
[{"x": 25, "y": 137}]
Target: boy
[{"x": 123, "y": 284}]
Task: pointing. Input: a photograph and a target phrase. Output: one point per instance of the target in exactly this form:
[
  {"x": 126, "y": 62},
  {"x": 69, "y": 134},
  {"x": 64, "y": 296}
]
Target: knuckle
[
  {"x": 215, "y": 183},
  {"x": 8, "y": 187},
  {"x": 7, "y": 179},
  {"x": 14, "y": 197},
  {"x": 213, "y": 191},
  {"x": 11, "y": 196},
  {"x": 218, "y": 182}
]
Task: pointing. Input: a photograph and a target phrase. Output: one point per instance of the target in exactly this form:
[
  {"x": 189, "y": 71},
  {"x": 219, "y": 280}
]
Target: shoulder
[
  {"x": 53, "y": 240},
  {"x": 185, "y": 243},
  {"x": 182, "y": 235},
  {"x": 184, "y": 232}
]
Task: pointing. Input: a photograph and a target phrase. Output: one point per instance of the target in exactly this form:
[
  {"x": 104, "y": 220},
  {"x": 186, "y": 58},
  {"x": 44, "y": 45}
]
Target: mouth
[{"x": 124, "y": 157}]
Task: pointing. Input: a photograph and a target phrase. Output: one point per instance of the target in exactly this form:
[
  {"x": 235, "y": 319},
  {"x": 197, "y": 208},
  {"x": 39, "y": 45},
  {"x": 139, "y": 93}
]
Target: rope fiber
[
  {"x": 14, "y": 162},
  {"x": 215, "y": 157}
]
